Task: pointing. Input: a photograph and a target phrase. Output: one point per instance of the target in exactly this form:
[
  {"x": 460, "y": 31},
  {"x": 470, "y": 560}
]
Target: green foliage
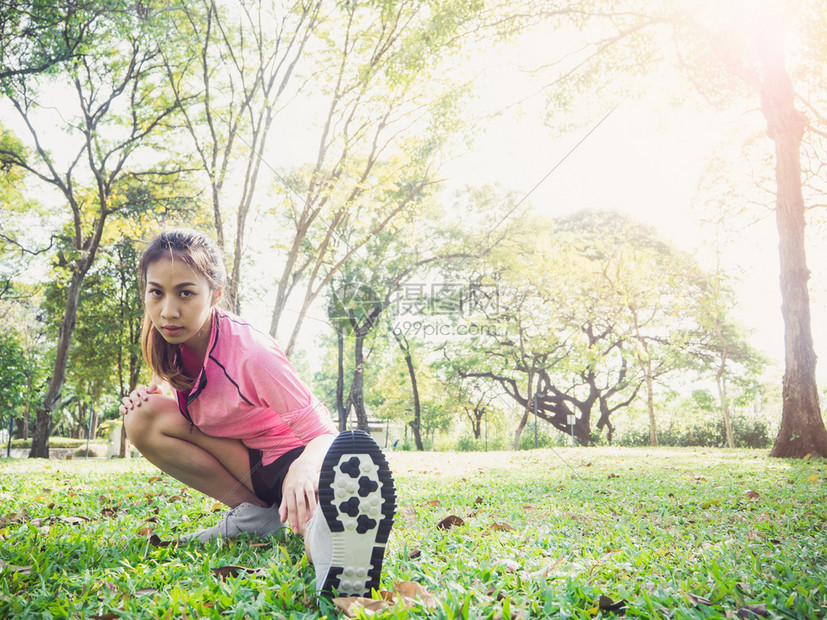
[
  {"x": 546, "y": 534},
  {"x": 498, "y": 441},
  {"x": 21, "y": 372},
  {"x": 388, "y": 391},
  {"x": 579, "y": 317},
  {"x": 106, "y": 347},
  {"x": 55, "y": 441},
  {"x": 13, "y": 378},
  {"x": 746, "y": 432},
  {"x": 544, "y": 439},
  {"x": 573, "y": 290},
  {"x": 37, "y": 37}
]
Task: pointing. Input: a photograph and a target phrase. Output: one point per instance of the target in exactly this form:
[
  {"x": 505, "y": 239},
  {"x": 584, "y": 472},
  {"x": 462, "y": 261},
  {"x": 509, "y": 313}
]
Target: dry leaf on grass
[
  {"x": 405, "y": 593},
  {"x": 223, "y": 572},
  {"x": 72, "y": 520},
  {"x": 754, "y": 611},
  {"x": 412, "y": 592},
  {"x": 145, "y": 591},
  {"x": 20, "y": 570},
  {"x": 697, "y": 600},
  {"x": 450, "y": 521},
  {"x": 408, "y": 513},
  {"x": 607, "y": 604},
  {"x": 155, "y": 541},
  {"x": 350, "y": 606},
  {"x": 500, "y": 527},
  {"x": 548, "y": 568},
  {"x": 511, "y": 566}
]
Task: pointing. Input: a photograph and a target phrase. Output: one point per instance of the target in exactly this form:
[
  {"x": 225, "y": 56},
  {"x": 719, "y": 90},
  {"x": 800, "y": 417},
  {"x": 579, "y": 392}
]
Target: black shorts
[{"x": 268, "y": 479}]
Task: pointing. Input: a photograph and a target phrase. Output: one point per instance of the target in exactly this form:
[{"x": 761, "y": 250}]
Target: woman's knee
[{"x": 149, "y": 420}]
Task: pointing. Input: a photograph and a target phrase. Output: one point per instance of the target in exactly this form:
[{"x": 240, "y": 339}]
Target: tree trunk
[
  {"x": 40, "y": 434},
  {"x": 341, "y": 407},
  {"x": 92, "y": 433},
  {"x": 518, "y": 433},
  {"x": 730, "y": 440},
  {"x": 135, "y": 363},
  {"x": 802, "y": 429},
  {"x": 720, "y": 381},
  {"x": 416, "y": 423},
  {"x": 650, "y": 405},
  {"x": 22, "y": 424},
  {"x": 476, "y": 421},
  {"x": 356, "y": 387},
  {"x": 40, "y": 437}
]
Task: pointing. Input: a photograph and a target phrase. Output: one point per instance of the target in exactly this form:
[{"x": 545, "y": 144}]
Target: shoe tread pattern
[{"x": 357, "y": 498}]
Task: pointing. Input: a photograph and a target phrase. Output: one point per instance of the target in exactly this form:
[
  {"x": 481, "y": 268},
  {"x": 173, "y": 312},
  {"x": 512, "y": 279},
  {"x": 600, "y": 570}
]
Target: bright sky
[{"x": 647, "y": 160}]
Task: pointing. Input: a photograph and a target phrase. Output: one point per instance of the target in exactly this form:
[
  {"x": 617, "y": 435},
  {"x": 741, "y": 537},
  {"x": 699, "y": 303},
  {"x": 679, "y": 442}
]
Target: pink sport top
[{"x": 248, "y": 390}]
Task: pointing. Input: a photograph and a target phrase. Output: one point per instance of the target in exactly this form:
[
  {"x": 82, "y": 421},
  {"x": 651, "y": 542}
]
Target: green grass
[{"x": 668, "y": 533}]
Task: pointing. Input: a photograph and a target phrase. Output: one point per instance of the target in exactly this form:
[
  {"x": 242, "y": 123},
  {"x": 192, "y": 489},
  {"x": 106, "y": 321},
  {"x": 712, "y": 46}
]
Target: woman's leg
[{"x": 217, "y": 467}]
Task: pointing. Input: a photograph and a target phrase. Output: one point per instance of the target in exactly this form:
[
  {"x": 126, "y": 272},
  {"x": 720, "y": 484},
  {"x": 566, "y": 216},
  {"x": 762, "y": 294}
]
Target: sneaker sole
[{"x": 358, "y": 500}]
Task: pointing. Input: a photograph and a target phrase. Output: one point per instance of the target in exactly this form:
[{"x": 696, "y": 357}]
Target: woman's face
[{"x": 179, "y": 302}]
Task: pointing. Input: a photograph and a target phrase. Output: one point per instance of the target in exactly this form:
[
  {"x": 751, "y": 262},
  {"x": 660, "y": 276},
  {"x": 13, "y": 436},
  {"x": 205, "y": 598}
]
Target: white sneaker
[
  {"x": 243, "y": 518},
  {"x": 347, "y": 535}
]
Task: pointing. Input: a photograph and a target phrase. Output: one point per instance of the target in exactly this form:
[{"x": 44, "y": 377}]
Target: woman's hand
[
  {"x": 299, "y": 492},
  {"x": 301, "y": 485},
  {"x": 138, "y": 396}
]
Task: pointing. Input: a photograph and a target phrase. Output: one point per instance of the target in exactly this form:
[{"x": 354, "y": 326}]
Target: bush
[
  {"x": 746, "y": 433},
  {"x": 544, "y": 440},
  {"x": 54, "y": 442},
  {"x": 94, "y": 451},
  {"x": 467, "y": 444}
]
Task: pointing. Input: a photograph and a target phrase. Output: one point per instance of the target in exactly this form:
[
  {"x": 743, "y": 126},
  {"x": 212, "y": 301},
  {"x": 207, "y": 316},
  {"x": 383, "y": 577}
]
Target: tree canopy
[{"x": 312, "y": 140}]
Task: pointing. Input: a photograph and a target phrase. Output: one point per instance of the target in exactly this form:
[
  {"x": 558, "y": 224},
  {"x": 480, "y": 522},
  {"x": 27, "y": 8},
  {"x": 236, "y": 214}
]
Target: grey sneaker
[
  {"x": 243, "y": 518},
  {"x": 347, "y": 535}
]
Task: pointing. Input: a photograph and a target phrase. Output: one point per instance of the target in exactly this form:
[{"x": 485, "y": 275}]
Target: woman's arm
[{"x": 301, "y": 484}]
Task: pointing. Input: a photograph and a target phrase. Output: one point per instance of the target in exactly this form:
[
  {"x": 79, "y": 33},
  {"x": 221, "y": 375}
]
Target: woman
[{"x": 245, "y": 430}]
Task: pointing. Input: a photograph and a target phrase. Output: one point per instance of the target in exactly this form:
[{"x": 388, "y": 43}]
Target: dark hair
[{"x": 203, "y": 256}]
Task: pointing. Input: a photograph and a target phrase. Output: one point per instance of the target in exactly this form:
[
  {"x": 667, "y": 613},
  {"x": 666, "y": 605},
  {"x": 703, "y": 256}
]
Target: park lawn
[{"x": 571, "y": 532}]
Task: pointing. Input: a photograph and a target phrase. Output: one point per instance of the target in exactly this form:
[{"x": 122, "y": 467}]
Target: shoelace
[{"x": 223, "y": 525}]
